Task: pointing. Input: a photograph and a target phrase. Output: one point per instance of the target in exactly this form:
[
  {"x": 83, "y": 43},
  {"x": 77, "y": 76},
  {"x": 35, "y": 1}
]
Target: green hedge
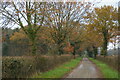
[{"x": 23, "y": 67}]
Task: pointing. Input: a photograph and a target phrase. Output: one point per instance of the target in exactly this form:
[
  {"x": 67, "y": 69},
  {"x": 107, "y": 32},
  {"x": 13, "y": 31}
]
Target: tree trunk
[
  {"x": 34, "y": 48},
  {"x": 95, "y": 51},
  {"x": 90, "y": 53},
  {"x": 119, "y": 16},
  {"x": 32, "y": 37},
  {"x": 105, "y": 43},
  {"x": 105, "y": 48},
  {"x": 59, "y": 49},
  {"x": 73, "y": 54}
]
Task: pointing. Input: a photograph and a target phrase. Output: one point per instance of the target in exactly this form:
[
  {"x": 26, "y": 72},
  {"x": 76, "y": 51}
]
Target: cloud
[{"x": 108, "y": 2}]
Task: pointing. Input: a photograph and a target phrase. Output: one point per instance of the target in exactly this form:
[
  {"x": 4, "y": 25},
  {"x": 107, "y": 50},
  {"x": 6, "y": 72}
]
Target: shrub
[
  {"x": 110, "y": 60},
  {"x": 23, "y": 67}
]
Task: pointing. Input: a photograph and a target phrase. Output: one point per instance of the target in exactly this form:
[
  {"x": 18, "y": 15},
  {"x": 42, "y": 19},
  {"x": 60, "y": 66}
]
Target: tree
[
  {"x": 94, "y": 38},
  {"x": 75, "y": 37},
  {"x": 6, "y": 33},
  {"x": 60, "y": 17},
  {"x": 21, "y": 13},
  {"x": 104, "y": 21}
]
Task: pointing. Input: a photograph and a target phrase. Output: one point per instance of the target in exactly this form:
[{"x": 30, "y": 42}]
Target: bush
[
  {"x": 23, "y": 67},
  {"x": 12, "y": 67},
  {"x": 110, "y": 60}
]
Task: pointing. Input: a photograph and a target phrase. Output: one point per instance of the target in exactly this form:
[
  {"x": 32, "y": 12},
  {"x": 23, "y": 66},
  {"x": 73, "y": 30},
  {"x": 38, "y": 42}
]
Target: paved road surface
[{"x": 85, "y": 70}]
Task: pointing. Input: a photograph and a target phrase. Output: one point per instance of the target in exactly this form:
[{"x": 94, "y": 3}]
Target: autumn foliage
[{"x": 68, "y": 48}]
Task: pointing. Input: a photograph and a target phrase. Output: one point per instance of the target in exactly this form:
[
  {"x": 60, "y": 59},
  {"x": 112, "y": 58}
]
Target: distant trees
[
  {"x": 6, "y": 34},
  {"x": 69, "y": 26},
  {"x": 56, "y": 15},
  {"x": 21, "y": 13}
]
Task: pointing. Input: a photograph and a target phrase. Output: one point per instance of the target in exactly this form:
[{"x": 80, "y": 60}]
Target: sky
[{"x": 108, "y": 2}]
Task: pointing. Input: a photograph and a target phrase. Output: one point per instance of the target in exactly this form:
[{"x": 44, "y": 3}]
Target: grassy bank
[
  {"x": 59, "y": 71},
  {"x": 107, "y": 71}
]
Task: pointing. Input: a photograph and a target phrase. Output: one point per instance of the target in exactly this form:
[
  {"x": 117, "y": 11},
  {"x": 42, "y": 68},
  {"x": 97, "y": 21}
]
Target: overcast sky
[{"x": 106, "y": 2}]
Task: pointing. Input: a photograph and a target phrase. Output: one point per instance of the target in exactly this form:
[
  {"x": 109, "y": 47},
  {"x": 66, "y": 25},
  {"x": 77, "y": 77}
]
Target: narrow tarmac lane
[{"x": 85, "y": 70}]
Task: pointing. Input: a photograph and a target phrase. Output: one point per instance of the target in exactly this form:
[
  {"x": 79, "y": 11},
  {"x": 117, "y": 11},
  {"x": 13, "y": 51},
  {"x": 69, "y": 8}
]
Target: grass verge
[
  {"x": 107, "y": 71},
  {"x": 59, "y": 71}
]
